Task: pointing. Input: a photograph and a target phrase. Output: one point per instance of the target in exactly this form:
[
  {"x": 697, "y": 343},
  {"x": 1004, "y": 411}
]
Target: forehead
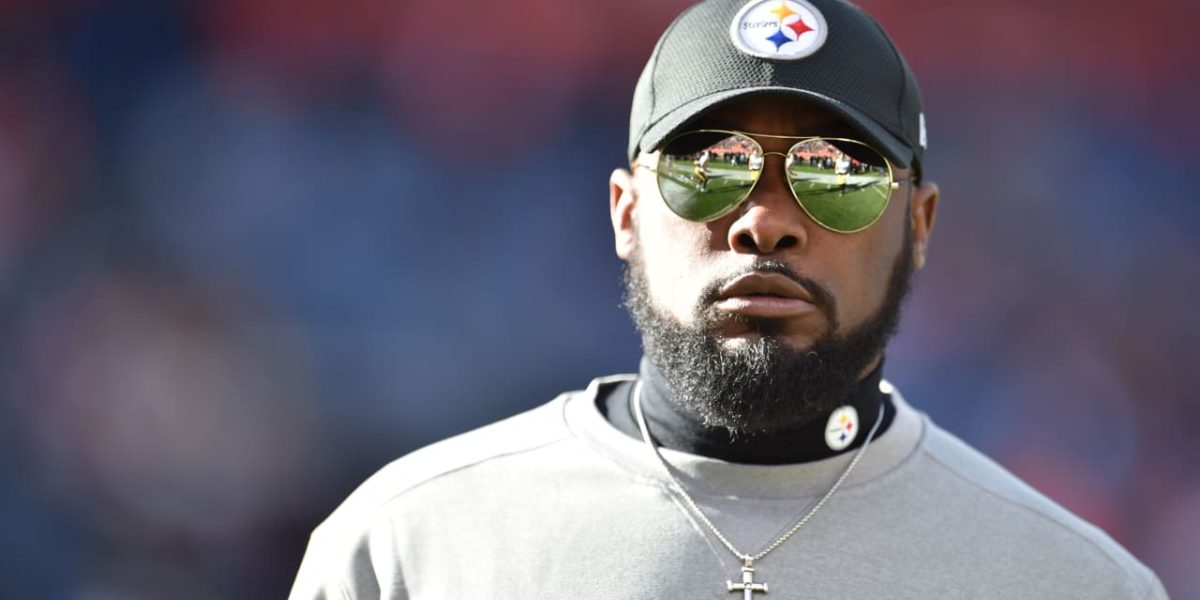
[{"x": 774, "y": 114}]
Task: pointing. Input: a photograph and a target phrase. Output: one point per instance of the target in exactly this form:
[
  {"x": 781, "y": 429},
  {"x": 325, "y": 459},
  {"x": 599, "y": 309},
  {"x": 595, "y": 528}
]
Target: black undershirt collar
[{"x": 674, "y": 428}]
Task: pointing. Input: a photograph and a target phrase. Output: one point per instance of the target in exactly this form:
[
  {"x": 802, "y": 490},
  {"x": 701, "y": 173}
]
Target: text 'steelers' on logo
[
  {"x": 842, "y": 428},
  {"x": 778, "y": 29}
]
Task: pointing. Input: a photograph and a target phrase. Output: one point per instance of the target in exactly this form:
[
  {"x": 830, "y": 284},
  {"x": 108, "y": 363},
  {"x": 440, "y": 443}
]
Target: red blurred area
[{"x": 312, "y": 37}]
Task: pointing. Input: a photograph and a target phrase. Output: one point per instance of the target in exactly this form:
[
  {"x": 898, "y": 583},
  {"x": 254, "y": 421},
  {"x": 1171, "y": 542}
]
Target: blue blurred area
[{"x": 250, "y": 252}]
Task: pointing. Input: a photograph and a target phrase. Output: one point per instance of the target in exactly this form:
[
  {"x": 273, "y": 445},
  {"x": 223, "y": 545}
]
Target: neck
[{"x": 674, "y": 427}]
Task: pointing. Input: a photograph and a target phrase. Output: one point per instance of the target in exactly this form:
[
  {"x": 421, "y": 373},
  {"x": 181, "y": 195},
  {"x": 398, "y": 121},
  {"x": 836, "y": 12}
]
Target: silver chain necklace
[{"x": 747, "y": 585}]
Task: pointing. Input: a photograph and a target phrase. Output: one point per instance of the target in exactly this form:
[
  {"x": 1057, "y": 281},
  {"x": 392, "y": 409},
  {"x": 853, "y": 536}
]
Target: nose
[{"x": 769, "y": 220}]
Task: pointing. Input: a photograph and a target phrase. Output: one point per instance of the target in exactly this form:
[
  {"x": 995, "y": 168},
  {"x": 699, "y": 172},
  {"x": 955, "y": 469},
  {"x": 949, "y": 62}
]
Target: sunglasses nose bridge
[
  {"x": 760, "y": 166},
  {"x": 763, "y": 166},
  {"x": 771, "y": 183}
]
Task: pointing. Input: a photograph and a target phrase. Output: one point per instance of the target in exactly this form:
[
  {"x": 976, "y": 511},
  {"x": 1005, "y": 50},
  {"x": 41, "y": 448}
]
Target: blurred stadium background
[{"x": 251, "y": 251}]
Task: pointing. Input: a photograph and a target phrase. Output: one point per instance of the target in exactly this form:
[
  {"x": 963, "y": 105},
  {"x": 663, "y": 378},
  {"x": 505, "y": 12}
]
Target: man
[
  {"x": 758, "y": 450},
  {"x": 700, "y": 170}
]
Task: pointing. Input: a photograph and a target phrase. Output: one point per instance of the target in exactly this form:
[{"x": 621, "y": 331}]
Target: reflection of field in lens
[
  {"x": 691, "y": 198},
  {"x": 844, "y": 202}
]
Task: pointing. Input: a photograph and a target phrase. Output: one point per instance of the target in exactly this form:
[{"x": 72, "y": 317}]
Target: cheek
[
  {"x": 865, "y": 269},
  {"x": 678, "y": 257}
]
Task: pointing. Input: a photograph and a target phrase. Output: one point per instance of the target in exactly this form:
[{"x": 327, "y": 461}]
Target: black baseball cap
[{"x": 828, "y": 52}]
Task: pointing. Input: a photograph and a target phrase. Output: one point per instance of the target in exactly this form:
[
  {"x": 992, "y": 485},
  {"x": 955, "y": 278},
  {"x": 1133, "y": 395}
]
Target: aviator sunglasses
[{"x": 842, "y": 184}]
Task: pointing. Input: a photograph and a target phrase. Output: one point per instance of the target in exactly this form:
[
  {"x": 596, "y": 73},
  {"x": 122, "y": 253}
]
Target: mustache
[{"x": 822, "y": 297}]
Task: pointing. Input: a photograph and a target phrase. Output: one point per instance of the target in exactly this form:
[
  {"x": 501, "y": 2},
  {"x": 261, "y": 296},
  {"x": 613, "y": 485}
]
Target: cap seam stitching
[
  {"x": 650, "y": 121},
  {"x": 903, "y": 81}
]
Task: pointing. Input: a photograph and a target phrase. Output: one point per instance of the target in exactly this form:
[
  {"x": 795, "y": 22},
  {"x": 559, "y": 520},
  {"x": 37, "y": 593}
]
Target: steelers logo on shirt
[
  {"x": 779, "y": 29},
  {"x": 842, "y": 428}
]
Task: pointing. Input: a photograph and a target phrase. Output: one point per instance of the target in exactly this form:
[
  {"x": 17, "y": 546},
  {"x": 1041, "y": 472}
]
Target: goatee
[{"x": 762, "y": 386}]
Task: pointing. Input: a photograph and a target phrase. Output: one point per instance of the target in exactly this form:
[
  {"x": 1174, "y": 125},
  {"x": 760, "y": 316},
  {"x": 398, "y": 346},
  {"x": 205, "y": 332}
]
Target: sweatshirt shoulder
[
  {"x": 528, "y": 431},
  {"x": 342, "y": 559},
  {"x": 1028, "y": 509}
]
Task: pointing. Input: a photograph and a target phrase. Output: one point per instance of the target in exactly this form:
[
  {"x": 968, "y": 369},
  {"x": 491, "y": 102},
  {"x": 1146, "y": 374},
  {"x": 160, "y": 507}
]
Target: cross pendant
[{"x": 747, "y": 587}]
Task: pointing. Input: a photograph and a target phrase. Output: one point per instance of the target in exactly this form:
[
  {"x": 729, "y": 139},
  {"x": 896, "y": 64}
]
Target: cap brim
[{"x": 675, "y": 121}]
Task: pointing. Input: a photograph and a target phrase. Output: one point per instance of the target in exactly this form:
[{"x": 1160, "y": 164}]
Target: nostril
[
  {"x": 746, "y": 241},
  {"x": 786, "y": 242}
]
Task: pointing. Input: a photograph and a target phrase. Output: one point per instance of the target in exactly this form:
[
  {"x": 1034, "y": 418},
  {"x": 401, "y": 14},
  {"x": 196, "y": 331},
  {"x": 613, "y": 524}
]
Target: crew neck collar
[
  {"x": 673, "y": 427},
  {"x": 715, "y": 477}
]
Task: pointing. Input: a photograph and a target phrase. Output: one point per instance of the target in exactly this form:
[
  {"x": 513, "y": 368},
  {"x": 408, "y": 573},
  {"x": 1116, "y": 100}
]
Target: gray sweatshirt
[{"x": 556, "y": 503}]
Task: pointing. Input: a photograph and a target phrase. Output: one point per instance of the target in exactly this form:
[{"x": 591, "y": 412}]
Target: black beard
[{"x": 764, "y": 386}]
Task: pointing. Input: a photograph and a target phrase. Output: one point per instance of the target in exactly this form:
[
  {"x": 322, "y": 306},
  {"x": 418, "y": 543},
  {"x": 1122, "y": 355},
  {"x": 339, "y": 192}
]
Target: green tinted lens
[
  {"x": 843, "y": 185},
  {"x": 702, "y": 175}
]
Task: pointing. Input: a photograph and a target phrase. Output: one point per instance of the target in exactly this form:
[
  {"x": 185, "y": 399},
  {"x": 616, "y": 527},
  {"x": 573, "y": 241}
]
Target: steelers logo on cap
[
  {"x": 778, "y": 29},
  {"x": 842, "y": 428}
]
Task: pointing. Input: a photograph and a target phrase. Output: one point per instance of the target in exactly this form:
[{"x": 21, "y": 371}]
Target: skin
[{"x": 681, "y": 257}]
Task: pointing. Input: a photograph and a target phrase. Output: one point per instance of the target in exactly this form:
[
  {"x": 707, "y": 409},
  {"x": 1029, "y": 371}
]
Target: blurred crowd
[{"x": 251, "y": 251}]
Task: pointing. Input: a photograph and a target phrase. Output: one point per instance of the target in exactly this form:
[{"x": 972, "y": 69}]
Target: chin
[{"x": 755, "y": 334}]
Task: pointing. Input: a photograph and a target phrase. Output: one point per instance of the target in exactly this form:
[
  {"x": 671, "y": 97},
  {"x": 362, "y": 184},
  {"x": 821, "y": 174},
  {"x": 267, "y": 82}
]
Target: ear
[
  {"x": 924, "y": 213},
  {"x": 621, "y": 202}
]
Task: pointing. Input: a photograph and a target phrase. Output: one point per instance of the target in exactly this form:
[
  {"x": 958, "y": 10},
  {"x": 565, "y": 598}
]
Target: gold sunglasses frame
[{"x": 895, "y": 183}]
